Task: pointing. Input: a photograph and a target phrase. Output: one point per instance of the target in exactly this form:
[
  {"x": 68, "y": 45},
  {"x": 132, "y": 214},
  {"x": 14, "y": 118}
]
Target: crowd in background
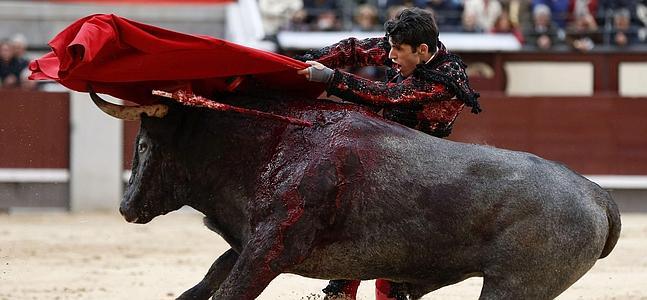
[
  {"x": 538, "y": 24},
  {"x": 14, "y": 63},
  {"x": 544, "y": 24}
]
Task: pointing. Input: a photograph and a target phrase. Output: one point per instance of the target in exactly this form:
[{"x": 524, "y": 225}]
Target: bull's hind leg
[
  {"x": 215, "y": 276},
  {"x": 541, "y": 282},
  {"x": 537, "y": 273},
  {"x": 512, "y": 288},
  {"x": 523, "y": 286}
]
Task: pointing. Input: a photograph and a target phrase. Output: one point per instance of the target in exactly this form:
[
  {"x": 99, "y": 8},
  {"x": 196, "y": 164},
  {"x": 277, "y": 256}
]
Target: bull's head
[{"x": 153, "y": 186}]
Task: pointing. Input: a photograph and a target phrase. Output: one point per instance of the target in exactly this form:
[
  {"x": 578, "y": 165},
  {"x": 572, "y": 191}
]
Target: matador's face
[{"x": 406, "y": 57}]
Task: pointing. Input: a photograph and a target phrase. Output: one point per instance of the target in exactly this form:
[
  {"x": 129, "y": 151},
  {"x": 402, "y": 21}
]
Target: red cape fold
[{"x": 128, "y": 60}]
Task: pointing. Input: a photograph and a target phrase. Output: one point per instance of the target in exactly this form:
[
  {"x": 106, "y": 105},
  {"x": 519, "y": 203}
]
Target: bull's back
[{"x": 437, "y": 198}]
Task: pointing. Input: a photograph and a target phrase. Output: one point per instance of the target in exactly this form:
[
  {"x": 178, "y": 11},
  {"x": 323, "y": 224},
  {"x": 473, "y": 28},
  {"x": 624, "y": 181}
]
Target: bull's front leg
[
  {"x": 215, "y": 276},
  {"x": 262, "y": 259},
  {"x": 284, "y": 228}
]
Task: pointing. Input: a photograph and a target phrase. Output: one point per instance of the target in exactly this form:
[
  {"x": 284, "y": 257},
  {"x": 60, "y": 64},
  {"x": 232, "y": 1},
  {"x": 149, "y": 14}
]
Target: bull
[{"x": 355, "y": 196}]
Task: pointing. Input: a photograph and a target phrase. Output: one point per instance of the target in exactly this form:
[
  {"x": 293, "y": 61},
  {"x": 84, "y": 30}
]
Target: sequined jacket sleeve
[
  {"x": 412, "y": 91},
  {"x": 352, "y": 52}
]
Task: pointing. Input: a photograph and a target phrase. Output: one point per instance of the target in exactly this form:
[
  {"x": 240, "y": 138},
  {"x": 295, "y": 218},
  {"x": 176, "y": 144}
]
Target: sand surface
[{"x": 100, "y": 256}]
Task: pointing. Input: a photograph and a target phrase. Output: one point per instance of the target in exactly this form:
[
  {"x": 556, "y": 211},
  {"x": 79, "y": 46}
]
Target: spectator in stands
[
  {"x": 558, "y": 10},
  {"x": 327, "y": 21},
  {"x": 606, "y": 15},
  {"x": 545, "y": 32},
  {"x": 469, "y": 23},
  {"x": 641, "y": 14},
  {"x": 322, "y": 14},
  {"x": 276, "y": 14},
  {"x": 447, "y": 12},
  {"x": 583, "y": 33},
  {"x": 299, "y": 21},
  {"x": 518, "y": 12},
  {"x": 366, "y": 18},
  {"x": 623, "y": 33},
  {"x": 583, "y": 7},
  {"x": 10, "y": 67},
  {"x": 484, "y": 12},
  {"x": 504, "y": 25},
  {"x": 19, "y": 44}
]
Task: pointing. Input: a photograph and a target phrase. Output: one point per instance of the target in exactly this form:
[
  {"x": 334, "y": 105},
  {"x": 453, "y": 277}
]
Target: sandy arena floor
[{"x": 100, "y": 256}]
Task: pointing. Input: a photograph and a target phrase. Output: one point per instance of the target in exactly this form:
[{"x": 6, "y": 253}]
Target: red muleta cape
[{"x": 128, "y": 60}]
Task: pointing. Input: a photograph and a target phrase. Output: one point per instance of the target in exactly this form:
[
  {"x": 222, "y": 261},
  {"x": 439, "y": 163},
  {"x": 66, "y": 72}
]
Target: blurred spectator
[
  {"x": 504, "y": 25},
  {"x": 545, "y": 33},
  {"x": 366, "y": 18},
  {"x": 322, "y": 14},
  {"x": 10, "y": 67},
  {"x": 277, "y": 13},
  {"x": 583, "y": 33},
  {"x": 641, "y": 13},
  {"x": 447, "y": 13},
  {"x": 19, "y": 44},
  {"x": 484, "y": 13},
  {"x": 518, "y": 12},
  {"x": 623, "y": 33},
  {"x": 327, "y": 21},
  {"x": 469, "y": 23},
  {"x": 298, "y": 22},
  {"x": 583, "y": 7},
  {"x": 558, "y": 10},
  {"x": 14, "y": 63}
]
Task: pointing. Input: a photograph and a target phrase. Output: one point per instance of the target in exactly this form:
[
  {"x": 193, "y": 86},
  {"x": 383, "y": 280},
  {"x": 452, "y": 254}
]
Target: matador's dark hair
[{"x": 413, "y": 26}]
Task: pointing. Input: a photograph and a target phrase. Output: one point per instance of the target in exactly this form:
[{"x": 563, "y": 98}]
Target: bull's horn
[{"x": 129, "y": 113}]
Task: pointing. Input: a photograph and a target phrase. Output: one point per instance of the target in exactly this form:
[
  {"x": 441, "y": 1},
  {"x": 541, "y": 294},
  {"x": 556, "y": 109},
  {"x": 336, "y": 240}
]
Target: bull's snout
[{"x": 129, "y": 214}]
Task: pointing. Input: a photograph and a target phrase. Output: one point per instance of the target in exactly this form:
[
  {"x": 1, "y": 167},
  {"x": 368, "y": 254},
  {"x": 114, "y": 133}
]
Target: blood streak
[{"x": 188, "y": 98}]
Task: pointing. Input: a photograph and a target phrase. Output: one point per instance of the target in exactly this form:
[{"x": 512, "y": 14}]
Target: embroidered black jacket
[{"x": 429, "y": 100}]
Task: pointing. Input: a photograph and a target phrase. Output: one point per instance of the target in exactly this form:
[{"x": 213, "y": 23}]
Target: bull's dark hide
[{"x": 358, "y": 197}]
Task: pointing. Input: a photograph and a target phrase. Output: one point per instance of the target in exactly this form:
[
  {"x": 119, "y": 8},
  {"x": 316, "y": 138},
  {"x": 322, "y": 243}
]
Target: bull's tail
[{"x": 613, "y": 216}]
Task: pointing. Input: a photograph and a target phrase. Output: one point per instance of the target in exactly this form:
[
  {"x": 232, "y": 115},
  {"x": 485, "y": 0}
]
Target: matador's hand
[{"x": 317, "y": 72}]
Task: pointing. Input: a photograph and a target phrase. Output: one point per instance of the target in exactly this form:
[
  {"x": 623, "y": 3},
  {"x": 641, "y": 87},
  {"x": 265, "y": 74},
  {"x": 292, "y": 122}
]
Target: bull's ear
[{"x": 128, "y": 113}]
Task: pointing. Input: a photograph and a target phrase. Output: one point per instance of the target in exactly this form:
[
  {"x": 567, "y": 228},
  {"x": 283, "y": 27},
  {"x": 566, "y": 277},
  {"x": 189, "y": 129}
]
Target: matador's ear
[{"x": 423, "y": 48}]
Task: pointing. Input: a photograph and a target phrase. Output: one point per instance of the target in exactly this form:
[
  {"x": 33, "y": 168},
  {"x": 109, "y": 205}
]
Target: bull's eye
[{"x": 142, "y": 147}]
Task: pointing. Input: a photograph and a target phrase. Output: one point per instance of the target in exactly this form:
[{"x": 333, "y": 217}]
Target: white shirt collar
[{"x": 432, "y": 57}]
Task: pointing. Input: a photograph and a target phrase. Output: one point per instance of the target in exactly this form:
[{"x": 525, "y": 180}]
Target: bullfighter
[{"x": 427, "y": 89}]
